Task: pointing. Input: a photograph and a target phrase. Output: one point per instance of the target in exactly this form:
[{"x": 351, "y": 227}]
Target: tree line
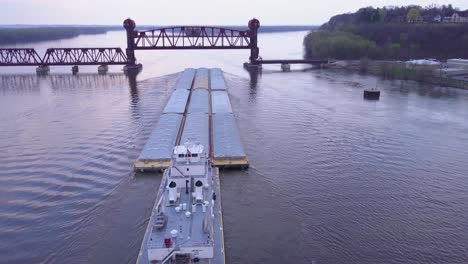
[
  {"x": 388, "y": 14},
  {"x": 29, "y": 35},
  {"x": 366, "y": 34}
]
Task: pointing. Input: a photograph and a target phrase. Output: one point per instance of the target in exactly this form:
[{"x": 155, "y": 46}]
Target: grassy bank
[{"x": 398, "y": 70}]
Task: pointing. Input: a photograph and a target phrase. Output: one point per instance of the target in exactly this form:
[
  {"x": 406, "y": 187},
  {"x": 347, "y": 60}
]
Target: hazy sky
[{"x": 238, "y": 12}]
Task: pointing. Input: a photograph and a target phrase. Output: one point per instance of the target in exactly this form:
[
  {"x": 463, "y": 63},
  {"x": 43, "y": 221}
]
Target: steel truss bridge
[
  {"x": 192, "y": 38},
  {"x": 168, "y": 38},
  {"x": 63, "y": 57}
]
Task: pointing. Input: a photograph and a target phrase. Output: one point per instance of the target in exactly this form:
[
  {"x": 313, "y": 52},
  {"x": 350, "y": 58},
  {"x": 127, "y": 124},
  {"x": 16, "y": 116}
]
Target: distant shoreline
[{"x": 25, "y": 34}]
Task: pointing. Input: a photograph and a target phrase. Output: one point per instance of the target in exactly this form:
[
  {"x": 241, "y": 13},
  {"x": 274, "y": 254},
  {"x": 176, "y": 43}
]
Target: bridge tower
[
  {"x": 130, "y": 26},
  {"x": 254, "y": 24}
]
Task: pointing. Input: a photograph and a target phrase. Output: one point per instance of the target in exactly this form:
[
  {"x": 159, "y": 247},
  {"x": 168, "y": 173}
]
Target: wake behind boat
[{"x": 186, "y": 222}]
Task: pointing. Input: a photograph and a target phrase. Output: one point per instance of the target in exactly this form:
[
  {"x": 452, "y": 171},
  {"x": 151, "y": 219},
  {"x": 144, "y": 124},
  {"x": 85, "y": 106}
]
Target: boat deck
[
  {"x": 189, "y": 228},
  {"x": 190, "y": 231}
]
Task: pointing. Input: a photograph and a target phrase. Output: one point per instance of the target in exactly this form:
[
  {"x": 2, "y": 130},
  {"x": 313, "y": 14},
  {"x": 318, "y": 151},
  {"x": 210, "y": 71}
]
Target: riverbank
[
  {"x": 389, "y": 33},
  {"x": 9, "y": 36},
  {"x": 399, "y": 70}
]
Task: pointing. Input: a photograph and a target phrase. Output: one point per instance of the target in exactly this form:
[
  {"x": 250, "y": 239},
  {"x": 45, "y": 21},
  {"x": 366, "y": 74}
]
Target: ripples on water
[
  {"x": 336, "y": 179},
  {"x": 333, "y": 178},
  {"x": 68, "y": 144}
]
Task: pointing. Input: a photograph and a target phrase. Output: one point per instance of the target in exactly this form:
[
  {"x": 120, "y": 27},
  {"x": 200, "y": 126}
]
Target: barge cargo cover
[
  {"x": 177, "y": 102},
  {"x": 227, "y": 145},
  {"x": 199, "y": 102},
  {"x": 220, "y": 103},
  {"x": 201, "y": 79},
  {"x": 197, "y": 130},
  {"x": 157, "y": 152},
  {"x": 186, "y": 79},
  {"x": 217, "y": 82},
  {"x": 200, "y": 113}
]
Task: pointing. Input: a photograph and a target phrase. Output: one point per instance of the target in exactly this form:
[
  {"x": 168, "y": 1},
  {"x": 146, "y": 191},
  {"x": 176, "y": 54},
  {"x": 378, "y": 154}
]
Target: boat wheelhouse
[{"x": 183, "y": 229}]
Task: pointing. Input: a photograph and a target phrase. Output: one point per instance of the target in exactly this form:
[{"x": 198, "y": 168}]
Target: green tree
[
  {"x": 338, "y": 45},
  {"x": 413, "y": 15},
  {"x": 382, "y": 14}
]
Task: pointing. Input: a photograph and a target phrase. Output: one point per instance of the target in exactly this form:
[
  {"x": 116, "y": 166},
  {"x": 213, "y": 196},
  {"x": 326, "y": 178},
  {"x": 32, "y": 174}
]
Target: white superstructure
[{"x": 186, "y": 227}]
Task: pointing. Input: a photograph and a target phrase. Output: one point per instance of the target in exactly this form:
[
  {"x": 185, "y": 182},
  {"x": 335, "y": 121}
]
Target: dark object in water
[{"x": 371, "y": 94}]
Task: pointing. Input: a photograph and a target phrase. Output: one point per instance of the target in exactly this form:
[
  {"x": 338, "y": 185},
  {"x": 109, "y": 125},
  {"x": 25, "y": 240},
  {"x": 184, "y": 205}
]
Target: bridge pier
[
  {"x": 75, "y": 70},
  {"x": 132, "y": 69},
  {"x": 255, "y": 66},
  {"x": 42, "y": 70},
  {"x": 103, "y": 69},
  {"x": 286, "y": 67}
]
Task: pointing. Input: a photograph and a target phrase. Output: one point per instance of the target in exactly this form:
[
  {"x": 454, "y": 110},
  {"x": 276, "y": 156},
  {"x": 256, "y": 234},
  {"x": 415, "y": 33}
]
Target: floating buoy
[{"x": 371, "y": 94}]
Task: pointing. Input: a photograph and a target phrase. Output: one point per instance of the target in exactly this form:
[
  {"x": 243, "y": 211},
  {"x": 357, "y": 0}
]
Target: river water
[{"x": 333, "y": 178}]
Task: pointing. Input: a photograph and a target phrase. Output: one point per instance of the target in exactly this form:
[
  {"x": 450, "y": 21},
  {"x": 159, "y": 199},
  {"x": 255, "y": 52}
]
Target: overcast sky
[{"x": 170, "y": 12}]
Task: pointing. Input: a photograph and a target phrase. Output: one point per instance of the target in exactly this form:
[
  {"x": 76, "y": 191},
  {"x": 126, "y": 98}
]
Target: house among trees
[{"x": 457, "y": 17}]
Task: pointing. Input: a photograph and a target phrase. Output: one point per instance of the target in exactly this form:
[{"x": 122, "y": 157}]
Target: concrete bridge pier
[
  {"x": 75, "y": 70},
  {"x": 286, "y": 67},
  {"x": 133, "y": 69},
  {"x": 42, "y": 70},
  {"x": 254, "y": 66},
  {"x": 103, "y": 69}
]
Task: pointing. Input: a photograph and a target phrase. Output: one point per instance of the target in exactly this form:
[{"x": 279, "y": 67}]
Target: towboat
[{"x": 186, "y": 222}]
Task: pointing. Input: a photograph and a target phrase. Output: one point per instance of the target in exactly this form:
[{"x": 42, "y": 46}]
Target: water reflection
[
  {"x": 19, "y": 82},
  {"x": 423, "y": 89},
  {"x": 254, "y": 74},
  {"x": 134, "y": 95},
  {"x": 60, "y": 81}
]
